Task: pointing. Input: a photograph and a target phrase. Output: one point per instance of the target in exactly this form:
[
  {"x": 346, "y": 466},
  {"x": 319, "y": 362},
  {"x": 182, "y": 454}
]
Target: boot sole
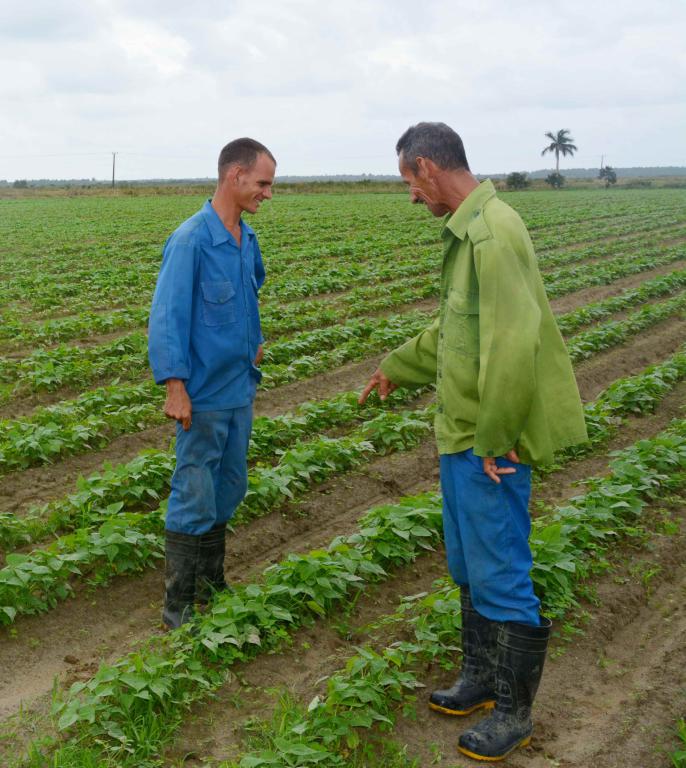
[
  {"x": 488, "y": 759},
  {"x": 462, "y": 712}
]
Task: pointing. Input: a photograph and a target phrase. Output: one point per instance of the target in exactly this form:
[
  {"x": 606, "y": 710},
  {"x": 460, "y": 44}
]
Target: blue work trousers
[
  {"x": 486, "y": 528},
  {"x": 211, "y": 475}
]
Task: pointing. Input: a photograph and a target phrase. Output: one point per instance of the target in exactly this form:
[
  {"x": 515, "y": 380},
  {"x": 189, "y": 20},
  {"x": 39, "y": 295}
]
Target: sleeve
[
  {"x": 259, "y": 282},
  {"x": 509, "y": 333},
  {"x": 169, "y": 330},
  {"x": 414, "y": 363}
]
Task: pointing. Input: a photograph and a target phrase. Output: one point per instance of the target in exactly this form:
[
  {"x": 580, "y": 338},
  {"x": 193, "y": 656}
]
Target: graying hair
[{"x": 435, "y": 141}]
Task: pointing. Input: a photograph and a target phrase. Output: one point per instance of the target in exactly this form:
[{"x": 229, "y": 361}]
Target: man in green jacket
[{"x": 506, "y": 399}]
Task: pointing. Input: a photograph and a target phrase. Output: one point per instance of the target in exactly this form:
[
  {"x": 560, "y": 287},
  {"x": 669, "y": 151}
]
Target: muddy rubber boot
[
  {"x": 210, "y": 572},
  {"x": 475, "y": 687},
  {"x": 181, "y": 559},
  {"x": 521, "y": 654}
]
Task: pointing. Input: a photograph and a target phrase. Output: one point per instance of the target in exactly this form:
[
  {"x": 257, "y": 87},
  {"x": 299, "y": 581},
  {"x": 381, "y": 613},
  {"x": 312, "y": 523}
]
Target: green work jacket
[{"x": 503, "y": 375}]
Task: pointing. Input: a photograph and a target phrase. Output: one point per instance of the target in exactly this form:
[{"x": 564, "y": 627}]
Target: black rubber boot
[
  {"x": 210, "y": 573},
  {"x": 475, "y": 687},
  {"x": 181, "y": 560},
  {"x": 521, "y": 654}
]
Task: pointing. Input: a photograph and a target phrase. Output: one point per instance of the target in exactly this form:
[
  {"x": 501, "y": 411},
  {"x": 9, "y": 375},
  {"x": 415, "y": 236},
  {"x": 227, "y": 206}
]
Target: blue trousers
[
  {"x": 486, "y": 528},
  {"x": 211, "y": 475}
]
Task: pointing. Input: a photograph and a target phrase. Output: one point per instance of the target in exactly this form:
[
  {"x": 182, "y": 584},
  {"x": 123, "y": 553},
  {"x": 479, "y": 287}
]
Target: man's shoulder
[
  {"x": 190, "y": 232},
  {"x": 496, "y": 220}
]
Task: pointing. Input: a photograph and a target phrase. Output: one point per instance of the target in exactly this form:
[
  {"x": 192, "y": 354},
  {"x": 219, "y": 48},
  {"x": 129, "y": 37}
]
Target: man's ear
[
  {"x": 231, "y": 175},
  {"x": 426, "y": 168}
]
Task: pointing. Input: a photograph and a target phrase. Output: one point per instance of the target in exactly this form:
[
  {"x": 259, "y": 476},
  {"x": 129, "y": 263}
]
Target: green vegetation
[{"x": 348, "y": 277}]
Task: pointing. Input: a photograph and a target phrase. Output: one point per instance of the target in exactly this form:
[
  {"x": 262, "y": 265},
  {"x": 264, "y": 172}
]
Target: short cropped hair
[
  {"x": 435, "y": 141},
  {"x": 242, "y": 151}
]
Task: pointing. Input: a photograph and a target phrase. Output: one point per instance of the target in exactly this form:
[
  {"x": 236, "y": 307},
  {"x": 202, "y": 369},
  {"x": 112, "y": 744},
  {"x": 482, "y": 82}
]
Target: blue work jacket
[{"x": 204, "y": 323}]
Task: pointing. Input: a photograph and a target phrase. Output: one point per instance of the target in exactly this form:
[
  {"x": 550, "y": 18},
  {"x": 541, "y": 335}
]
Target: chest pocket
[
  {"x": 461, "y": 323},
  {"x": 218, "y": 303}
]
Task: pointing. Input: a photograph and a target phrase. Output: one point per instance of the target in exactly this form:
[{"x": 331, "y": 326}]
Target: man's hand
[
  {"x": 178, "y": 404},
  {"x": 384, "y": 384},
  {"x": 259, "y": 356},
  {"x": 493, "y": 470}
]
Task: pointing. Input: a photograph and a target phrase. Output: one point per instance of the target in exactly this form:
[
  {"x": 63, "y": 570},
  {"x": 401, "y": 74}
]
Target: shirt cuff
[
  {"x": 161, "y": 376},
  {"x": 491, "y": 451}
]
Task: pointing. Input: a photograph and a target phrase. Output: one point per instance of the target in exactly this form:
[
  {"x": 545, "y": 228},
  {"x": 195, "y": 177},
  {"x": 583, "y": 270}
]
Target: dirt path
[
  {"x": 103, "y": 624},
  {"x": 596, "y": 667},
  {"x": 655, "y": 344},
  {"x": 19, "y": 490},
  {"x": 106, "y": 623},
  {"x": 38, "y": 485},
  {"x": 625, "y": 710},
  {"x": 611, "y": 697},
  {"x": 571, "y": 301}
]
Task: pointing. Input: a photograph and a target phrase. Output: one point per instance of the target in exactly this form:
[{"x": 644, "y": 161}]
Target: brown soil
[
  {"x": 659, "y": 342},
  {"x": 105, "y": 623},
  {"x": 72, "y": 639},
  {"x": 591, "y": 708},
  {"x": 269, "y": 537},
  {"x": 612, "y": 696},
  {"x": 20, "y": 490},
  {"x": 599, "y": 292}
]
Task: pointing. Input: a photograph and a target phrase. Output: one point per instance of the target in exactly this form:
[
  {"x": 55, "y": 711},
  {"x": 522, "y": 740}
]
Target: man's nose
[{"x": 267, "y": 192}]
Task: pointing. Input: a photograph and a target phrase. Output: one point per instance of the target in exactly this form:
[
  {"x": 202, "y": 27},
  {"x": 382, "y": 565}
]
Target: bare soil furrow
[
  {"x": 571, "y": 301},
  {"x": 215, "y": 730},
  {"x": 72, "y": 639},
  {"x": 625, "y": 708},
  {"x": 657, "y": 343},
  {"x": 610, "y": 697}
]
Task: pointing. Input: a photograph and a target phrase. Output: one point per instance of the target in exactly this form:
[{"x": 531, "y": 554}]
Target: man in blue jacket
[{"x": 205, "y": 344}]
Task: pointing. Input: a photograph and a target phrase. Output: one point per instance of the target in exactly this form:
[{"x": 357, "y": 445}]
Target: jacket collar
[{"x": 470, "y": 207}]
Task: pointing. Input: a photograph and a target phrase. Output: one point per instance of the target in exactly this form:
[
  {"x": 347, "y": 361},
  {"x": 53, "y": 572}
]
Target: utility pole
[
  {"x": 114, "y": 159},
  {"x": 602, "y": 157}
]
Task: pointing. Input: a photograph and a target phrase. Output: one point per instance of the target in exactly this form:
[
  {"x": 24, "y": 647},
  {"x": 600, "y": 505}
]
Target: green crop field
[{"x": 342, "y": 612}]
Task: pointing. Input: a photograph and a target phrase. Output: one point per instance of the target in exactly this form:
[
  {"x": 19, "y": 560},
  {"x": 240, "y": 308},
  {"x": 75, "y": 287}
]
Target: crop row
[
  {"x": 612, "y": 333},
  {"x": 375, "y": 687},
  {"x": 295, "y": 315},
  {"x": 570, "y": 279},
  {"x": 126, "y": 541},
  {"x": 96, "y": 417},
  {"x": 144, "y": 479},
  {"x": 127, "y": 355},
  {"x": 591, "y": 313},
  {"x": 161, "y": 680},
  {"x": 551, "y": 259}
]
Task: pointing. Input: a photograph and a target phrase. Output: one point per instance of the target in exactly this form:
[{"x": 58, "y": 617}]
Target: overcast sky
[{"x": 329, "y": 87}]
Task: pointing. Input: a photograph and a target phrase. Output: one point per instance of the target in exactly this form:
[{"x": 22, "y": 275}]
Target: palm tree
[{"x": 560, "y": 144}]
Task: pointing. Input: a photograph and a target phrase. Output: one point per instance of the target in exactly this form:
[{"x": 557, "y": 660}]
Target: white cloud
[
  {"x": 145, "y": 42},
  {"x": 330, "y": 87}
]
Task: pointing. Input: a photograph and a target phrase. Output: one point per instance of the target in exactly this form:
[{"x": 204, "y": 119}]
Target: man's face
[
  {"x": 422, "y": 187},
  {"x": 255, "y": 184}
]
